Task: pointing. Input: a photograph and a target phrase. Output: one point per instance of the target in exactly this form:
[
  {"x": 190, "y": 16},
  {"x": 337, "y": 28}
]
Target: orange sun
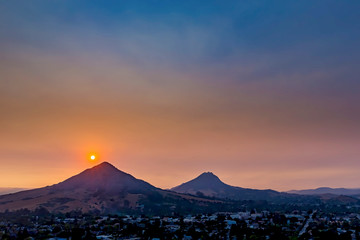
[{"x": 92, "y": 157}]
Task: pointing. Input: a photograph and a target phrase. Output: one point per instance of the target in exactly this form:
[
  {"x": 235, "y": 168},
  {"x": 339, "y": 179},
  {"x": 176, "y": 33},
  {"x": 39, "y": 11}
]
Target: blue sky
[{"x": 257, "y": 86}]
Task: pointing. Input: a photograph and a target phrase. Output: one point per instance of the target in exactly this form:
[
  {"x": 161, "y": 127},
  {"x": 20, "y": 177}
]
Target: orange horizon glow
[{"x": 165, "y": 94}]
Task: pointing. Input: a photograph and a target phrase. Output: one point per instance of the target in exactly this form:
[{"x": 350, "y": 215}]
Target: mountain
[
  {"x": 95, "y": 189},
  {"x": 327, "y": 190},
  {"x": 10, "y": 190},
  {"x": 107, "y": 178},
  {"x": 101, "y": 189},
  {"x": 208, "y": 184},
  {"x": 104, "y": 189}
]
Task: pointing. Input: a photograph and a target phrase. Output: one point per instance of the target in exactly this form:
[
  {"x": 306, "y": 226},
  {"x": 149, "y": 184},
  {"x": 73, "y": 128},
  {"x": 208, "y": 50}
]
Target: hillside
[
  {"x": 208, "y": 184},
  {"x": 101, "y": 189}
]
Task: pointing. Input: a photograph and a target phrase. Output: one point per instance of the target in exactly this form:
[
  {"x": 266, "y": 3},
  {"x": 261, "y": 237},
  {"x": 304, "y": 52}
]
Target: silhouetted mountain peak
[
  {"x": 208, "y": 184},
  {"x": 106, "y": 177},
  {"x": 206, "y": 181},
  {"x": 104, "y": 167},
  {"x": 208, "y": 176}
]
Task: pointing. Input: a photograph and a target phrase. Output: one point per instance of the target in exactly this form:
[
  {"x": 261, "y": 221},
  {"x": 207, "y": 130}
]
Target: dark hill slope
[{"x": 210, "y": 185}]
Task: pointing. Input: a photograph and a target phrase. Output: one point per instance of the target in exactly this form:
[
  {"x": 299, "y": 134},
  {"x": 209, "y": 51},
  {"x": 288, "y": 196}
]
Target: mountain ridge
[
  {"x": 210, "y": 185},
  {"x": 100, "y": 189},
  {"x": 8, "y": 190},
  {"x": 328, "y": 190},
  {"x": 106, "y": 189},
  {"x": 103, "y": 176}
]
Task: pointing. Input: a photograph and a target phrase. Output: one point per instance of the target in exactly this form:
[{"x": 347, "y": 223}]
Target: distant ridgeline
[{"x": 105, "y": 189}]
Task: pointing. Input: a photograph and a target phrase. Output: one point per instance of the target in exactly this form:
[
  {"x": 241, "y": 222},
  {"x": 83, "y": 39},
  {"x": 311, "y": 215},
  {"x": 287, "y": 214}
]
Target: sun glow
[{"x": 92, "y": 157}]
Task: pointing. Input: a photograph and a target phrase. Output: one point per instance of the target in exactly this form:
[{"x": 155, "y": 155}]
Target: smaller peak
[{"x": 207, "y": 174}]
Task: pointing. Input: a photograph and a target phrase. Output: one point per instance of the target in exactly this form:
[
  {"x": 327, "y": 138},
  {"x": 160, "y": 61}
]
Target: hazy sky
[{"x": 265, "y": 94}]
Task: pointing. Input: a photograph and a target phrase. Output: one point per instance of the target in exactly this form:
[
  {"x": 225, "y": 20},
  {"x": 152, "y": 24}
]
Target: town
[{"x": 223, "y": 225}]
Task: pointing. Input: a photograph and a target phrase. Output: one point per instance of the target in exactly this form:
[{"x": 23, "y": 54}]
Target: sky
[{"x": 264, "y": 94}]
